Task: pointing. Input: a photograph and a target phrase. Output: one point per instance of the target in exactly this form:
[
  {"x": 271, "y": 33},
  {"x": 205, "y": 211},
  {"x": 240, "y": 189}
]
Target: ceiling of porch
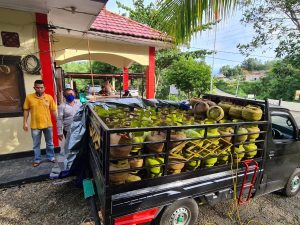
[
  {"x": 73, "y": 14},
  {"x": 121, "y": 55}
]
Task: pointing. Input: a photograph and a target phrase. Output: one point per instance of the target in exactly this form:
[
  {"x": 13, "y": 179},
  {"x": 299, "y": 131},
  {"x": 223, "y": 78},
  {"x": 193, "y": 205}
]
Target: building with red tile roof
[
  {"x": 62, "y": 32},
  {"x": 112, "y": 23}
]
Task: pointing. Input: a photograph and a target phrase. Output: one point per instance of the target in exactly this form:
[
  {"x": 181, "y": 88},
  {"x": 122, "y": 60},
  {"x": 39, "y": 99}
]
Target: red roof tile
[{"x": 112, "y": 23}]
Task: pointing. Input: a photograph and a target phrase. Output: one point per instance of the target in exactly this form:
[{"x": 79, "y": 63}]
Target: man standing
[
  {"x": 66, "y": 112},
  {"x": 108, "y": 87},
  {"x": 40, "y": 105}
]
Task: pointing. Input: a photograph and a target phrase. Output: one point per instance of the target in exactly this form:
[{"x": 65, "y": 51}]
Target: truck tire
[
  {"x": 183, "y": 212},
  {"x": 293, "y": 185}
]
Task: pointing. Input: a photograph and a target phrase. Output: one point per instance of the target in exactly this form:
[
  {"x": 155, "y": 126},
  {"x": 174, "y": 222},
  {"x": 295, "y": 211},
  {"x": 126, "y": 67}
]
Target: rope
[
  {"x": 25, "y": 64},
  {"x": 235, "y": 206},
  {"x": 91, "y": 69}
]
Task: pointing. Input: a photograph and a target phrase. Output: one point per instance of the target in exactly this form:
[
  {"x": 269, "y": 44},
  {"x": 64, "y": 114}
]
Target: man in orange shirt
[{"x": 39, "y": 105}]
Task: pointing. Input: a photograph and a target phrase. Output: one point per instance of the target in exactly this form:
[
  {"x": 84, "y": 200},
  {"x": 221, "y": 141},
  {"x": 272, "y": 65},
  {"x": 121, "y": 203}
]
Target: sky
[{"x": 229, "y": 33}]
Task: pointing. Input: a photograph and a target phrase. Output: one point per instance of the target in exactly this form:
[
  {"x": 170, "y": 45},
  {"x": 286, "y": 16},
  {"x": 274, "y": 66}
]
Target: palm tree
[{"x": 183, "y": 18}]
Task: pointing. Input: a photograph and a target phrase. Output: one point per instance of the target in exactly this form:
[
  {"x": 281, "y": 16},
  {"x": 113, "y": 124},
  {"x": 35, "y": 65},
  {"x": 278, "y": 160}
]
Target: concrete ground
[
  {"x": 43, "y": 203},
  {"x": 60, "y": 203},
  {"x": 18, "y": 171}
]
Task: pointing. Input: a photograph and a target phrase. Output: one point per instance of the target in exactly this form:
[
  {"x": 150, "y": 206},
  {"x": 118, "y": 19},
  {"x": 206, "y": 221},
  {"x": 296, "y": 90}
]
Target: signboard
[
  {"x": 68, "y": 85},
  {"x": 251, "y": 96},
  {"x": 297, "y": 95},
  {"x": 174, "y": 90}
]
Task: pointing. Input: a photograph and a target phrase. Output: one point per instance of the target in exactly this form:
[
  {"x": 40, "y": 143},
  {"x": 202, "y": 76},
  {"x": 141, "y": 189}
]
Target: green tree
[
  {"x": 84, "y": 67},
  {"x": 251, "y": 64},
  {"x": 229, "y": 72},
  {"x": 269, "y": 64},
  {"x": 76, "y": 67},
  {"x": 189, "y": 76},
  {"x": 148, "y": 14},
  {"x": 145, "y": 14},
  {"x": 275, "y": 22},
  {"x": 282, "y": 82},
  {"x": 183, "y": 18},
  {"x": 254, "y": 87},
  {"x": 180, "y": 19},
  {"x": 166, "y": 57},
  {"x": 104, "y": 68}
]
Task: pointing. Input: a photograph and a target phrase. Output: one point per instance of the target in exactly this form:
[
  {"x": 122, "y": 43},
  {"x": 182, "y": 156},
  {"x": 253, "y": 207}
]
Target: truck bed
[
  {"x": 208, "y": 184},
  {"x": 211, "y": 185}
]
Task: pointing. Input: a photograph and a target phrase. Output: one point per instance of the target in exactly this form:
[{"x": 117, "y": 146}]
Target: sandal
[
  {"x": 52, "y": 160},
  {"x": 35, "y": 164}
]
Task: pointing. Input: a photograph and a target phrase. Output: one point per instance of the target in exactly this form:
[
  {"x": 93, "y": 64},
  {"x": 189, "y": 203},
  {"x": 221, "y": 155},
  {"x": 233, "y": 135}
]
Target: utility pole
[
  {"x": 213, "y": 62},
  {"x": 237, "y": 85}
]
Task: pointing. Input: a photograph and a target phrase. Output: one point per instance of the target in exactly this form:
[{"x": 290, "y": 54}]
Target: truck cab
[{"x": 282, "y": 158}]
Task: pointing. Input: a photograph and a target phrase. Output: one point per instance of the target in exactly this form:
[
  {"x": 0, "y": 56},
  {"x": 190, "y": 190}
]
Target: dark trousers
[{"x": 65, "y": 133}]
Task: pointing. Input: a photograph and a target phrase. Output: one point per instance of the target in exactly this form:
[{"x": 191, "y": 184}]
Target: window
[
  {"x": 282, "y": 127},
  {"x": 10, "y": 39},
  {"x": 12, "y": 89}
]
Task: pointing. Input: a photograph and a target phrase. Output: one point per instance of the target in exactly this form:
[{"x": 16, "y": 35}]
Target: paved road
[
  {"x": 219, "y": 92},
  {"x": 296, "y": 116}
]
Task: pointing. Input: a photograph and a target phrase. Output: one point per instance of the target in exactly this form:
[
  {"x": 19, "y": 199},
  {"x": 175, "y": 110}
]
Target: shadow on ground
[{"x": 48, "y": 202}]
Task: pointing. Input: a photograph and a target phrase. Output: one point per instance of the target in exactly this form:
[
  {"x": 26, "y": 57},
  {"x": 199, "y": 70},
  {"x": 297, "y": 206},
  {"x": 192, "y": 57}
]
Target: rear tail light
[{"x": 137, "y": 218}]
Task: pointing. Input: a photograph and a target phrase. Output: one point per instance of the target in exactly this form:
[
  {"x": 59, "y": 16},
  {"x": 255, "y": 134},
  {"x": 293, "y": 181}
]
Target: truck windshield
[{"x": 282, "y": 127}]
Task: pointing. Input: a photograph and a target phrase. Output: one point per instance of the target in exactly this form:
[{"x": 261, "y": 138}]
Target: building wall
[
  {"x": 12, "y": 137},
  {"x": 70, "y": 48},
  {"x": 255, "y": 75}
]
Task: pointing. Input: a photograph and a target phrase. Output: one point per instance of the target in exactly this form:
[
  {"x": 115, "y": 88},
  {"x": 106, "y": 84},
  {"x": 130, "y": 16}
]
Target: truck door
[{"x": 283, "y": 151}]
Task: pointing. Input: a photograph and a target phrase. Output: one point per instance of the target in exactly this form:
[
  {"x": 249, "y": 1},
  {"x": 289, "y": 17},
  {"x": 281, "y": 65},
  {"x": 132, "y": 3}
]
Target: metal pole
[
  {"x": 143, "y": 86},
  {"x": 237, "y": 85},
  {"x": 91, "y": 69},
  {"x": 213, "y": 62}
]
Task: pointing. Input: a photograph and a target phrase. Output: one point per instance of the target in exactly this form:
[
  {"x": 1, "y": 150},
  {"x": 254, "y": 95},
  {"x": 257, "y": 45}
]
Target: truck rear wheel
[
  {"x": 183, "y": 212},
  {"x": 293, "y": 185}
]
